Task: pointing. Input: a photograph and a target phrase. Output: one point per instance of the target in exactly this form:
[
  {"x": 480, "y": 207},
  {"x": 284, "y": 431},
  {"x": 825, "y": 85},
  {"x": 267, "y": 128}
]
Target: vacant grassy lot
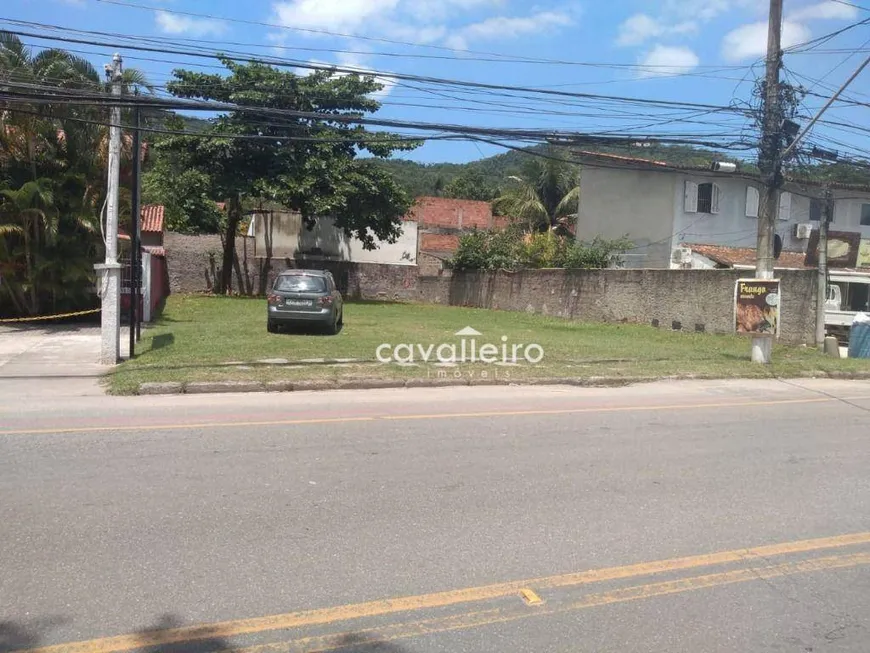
[{"x": 197, "y": 336}]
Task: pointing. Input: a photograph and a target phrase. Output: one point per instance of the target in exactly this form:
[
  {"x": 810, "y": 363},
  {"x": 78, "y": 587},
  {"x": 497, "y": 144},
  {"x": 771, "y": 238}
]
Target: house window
[
  {"x": 705, "y": 198},
  {"x": 785, "y": 206},
  {"x": 865, "y": 215},
  {"x": 752, "y": 200},
  {"x": 701, "y": 198},
  {"x": 815, "y": 210}
]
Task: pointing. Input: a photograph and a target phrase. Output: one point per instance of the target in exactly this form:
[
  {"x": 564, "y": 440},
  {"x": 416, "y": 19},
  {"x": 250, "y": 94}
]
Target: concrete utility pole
[
  {"x": 770, "y": 164},
  {"x": 110, "y": 350},
  {"x": 822, "y": 285}
]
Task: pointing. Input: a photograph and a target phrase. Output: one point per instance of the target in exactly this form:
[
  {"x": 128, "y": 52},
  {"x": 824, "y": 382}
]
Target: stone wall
[
  {"x": 687, "y": 300},
  {"x": 194, "y": 261}
]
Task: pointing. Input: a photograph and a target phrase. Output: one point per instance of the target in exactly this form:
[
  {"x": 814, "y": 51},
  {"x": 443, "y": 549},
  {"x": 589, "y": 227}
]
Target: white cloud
[
  {"x": 750, "y": 41},
  {"x": 505, "y": 27},
  {"x": 674, "y": 18},
  {"x": 640, "y": 28},
  {"x": 828, "y": 10},
  {"x": 637, "y": 29},
  {"x": 417, "y": 21},
  {"x": 332, "y": 15},
  {"x": 176, "y": 24},
  {"x": 668, "y": 60},
  {"x": 352, "y": 62}
]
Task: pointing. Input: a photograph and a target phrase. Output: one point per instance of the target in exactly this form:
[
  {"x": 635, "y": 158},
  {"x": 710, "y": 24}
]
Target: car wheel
[
  {"x": 332, "y": 328},
  {"x": 271, "y": 327},
  {"x": 341, "y": 318}
]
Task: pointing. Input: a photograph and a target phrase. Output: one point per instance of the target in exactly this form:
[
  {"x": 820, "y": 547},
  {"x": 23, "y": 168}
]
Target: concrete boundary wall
[{"x": 687, "y": 300}]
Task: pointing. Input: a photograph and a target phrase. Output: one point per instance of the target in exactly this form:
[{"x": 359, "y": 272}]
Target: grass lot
[{"x": 197, "y": 336}]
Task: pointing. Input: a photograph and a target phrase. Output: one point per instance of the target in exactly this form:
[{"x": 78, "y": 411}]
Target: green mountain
[{"x": 431, "y": 178}]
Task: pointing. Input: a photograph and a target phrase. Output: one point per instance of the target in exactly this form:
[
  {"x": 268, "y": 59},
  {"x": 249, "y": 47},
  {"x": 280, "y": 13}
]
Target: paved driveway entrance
[{"x": 45, "y": 361}]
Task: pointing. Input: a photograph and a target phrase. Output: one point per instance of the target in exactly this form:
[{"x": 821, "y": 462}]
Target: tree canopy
[{"x": 262, "y": 151}]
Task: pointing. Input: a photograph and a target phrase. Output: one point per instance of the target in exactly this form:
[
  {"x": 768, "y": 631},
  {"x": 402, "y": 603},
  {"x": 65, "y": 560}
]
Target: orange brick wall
[
  {"x": 451, "y": 213},
  {"x": 438, "y": 242}
]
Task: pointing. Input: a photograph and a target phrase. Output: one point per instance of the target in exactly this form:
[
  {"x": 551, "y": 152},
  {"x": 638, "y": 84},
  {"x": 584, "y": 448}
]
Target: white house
[{"x": 665, "y": 209}]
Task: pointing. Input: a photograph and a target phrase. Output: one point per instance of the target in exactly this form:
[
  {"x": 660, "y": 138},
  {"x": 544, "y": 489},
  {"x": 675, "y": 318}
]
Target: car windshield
[{"x": 300, "y": 283}]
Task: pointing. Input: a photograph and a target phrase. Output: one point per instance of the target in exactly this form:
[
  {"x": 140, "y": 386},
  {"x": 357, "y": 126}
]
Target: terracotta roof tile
[
  {"x": 155, "y": 250},
  {"x": 744, "y": 255},
  {"x": 152, "y": 218}
]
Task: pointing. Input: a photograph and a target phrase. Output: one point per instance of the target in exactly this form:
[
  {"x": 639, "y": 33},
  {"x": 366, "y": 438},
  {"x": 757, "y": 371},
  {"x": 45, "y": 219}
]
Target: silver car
[{"x": 301, "y": 297}]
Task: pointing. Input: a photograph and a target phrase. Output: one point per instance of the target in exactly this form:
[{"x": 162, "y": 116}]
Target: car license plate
[{"x": 297, "y": 302}]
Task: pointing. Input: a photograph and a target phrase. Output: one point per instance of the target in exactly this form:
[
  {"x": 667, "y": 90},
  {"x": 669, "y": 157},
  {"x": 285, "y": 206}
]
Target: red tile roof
[
  {"x": 155, "y": 250},
  {"x": 731, "y": 256},
  {"x": 152, "y": 218}
]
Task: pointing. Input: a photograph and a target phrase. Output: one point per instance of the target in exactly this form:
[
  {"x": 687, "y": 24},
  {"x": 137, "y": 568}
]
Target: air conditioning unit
[
  {"x": 803, "y": 231},
  {"x": 681, "y": 256}
]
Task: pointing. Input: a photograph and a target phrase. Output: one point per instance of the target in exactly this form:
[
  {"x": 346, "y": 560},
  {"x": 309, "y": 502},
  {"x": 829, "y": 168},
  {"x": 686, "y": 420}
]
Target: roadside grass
[{"x": 198, "y": 335}]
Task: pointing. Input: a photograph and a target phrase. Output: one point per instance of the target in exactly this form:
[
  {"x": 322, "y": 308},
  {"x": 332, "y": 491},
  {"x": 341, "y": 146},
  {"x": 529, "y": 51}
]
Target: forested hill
[
  {"x": 490, "y": 173},
  {"x": 432, "y": 178}
]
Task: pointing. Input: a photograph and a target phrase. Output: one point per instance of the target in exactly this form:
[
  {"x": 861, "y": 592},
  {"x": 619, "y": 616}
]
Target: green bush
[
  {"x": 512, "y": 250},
  {"x": 599, "y": 253}
]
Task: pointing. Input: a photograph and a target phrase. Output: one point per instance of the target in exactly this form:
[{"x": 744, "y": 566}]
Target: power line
[
  {"x": 51, "y": 95},
  {"x": 188, "y": 42},
  {"x": 813, "y": 43},
  {"x": 399, "y": 76},
  {"x": 850, "y": 4}
]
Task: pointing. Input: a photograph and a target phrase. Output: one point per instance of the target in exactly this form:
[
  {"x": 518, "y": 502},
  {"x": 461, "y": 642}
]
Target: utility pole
[
  {"x": 135, "y": 235},
  {"x": 770, "y": 164},
  {"x": 110, "y": 295},
  {"x": 822, "y": 284}
]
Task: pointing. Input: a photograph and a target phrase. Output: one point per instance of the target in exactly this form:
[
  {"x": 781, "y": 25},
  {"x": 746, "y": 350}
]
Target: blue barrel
[{"x": 859, "y": 339}]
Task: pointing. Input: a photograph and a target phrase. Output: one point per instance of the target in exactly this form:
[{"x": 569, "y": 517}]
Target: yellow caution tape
[{"x": 50, "y": 317}]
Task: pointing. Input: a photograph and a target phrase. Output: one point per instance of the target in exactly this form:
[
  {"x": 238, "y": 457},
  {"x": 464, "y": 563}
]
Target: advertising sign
[
  {"x": 756, "y": 307},
  {"x": 843, "y": 249}
]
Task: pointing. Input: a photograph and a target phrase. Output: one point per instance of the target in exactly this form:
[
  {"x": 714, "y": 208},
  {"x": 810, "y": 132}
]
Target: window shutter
[
  {"x": 690, "y": 203},
  {"x": 784, "y": 206},
  {"x": 714, "y": 199},
  {"x": 752, "y": 199}
]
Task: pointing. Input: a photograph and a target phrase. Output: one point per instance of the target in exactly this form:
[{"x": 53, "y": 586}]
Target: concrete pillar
[{"x": 110, "y": 318}]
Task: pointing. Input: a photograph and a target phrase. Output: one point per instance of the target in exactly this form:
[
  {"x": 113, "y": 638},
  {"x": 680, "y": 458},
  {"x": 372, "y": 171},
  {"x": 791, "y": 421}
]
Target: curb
[{"x": 218, "y": 387}]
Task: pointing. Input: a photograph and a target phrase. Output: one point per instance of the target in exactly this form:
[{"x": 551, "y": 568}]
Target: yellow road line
[
  {"x": 432, "y": 416},
  {"x": 489, "y": 617},
  {"x": 439, "y": 599},
  {"x": 530, "y": 596}
]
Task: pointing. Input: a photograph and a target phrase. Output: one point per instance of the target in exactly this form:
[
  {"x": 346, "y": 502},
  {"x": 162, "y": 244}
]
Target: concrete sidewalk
[{"x": 46, "y": 361}]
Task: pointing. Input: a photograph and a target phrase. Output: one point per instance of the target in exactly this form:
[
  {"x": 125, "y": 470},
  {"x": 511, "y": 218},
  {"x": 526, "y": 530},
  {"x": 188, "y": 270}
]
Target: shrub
[{"x": 512, "y": 250}]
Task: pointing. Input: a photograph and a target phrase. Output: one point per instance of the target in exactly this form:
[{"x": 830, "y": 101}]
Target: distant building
[
  {"x": 666, "y": 210},
  {"x": 430, "y": 234}
]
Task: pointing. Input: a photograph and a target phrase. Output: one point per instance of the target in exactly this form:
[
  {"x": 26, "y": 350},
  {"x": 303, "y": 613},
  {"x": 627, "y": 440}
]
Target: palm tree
[
  {"x": 545, "y": 197},
  {"x": 30, "y": 212},
  {"x": 54, "y": 156}
]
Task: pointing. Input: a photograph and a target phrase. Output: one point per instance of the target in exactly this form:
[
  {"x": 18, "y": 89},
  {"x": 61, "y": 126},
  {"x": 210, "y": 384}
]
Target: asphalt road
[{"x": 675, "y": 517}]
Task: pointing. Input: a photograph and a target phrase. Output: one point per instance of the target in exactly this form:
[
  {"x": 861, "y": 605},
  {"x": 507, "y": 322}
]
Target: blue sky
[{"x": 705, "y": 51}]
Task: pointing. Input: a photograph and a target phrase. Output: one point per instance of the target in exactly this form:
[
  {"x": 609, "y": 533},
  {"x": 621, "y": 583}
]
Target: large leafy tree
[
  {"x": 471, "y": 185},
  {"x": 307, "y": 164},
  {"x": 545, "y": 196}
]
